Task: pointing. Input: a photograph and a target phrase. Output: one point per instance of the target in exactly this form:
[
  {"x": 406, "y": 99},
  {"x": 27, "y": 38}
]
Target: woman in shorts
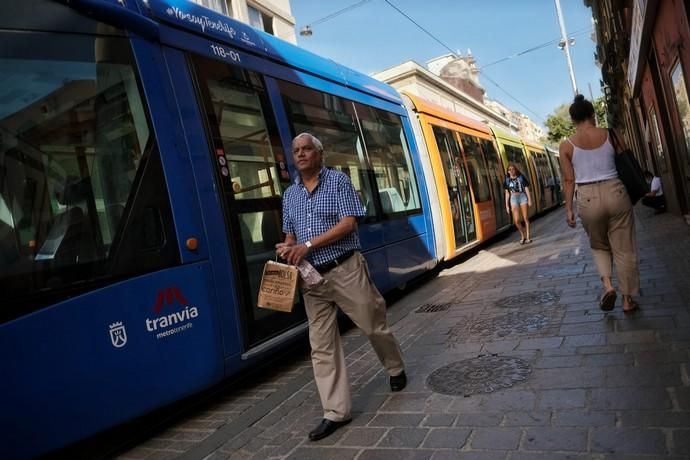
[{"x": 518, "y": 200}]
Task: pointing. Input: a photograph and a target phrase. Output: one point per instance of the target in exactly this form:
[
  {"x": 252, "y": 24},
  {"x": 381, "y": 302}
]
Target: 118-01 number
[{"x": 226, "y": 54}]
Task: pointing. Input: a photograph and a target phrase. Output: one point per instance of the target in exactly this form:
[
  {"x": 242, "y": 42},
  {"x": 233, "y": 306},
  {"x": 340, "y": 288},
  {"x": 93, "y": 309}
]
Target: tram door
[
  {"x": 497, "y": 173},
  {"x": 516, "y": 156},
  {"x": 246, "y": 149},
  {"x": 459, "y": 195}
]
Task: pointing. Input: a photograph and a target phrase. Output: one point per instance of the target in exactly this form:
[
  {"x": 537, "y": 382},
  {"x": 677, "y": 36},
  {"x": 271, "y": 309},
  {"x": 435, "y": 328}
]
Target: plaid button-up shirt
[{"x": 307, "y": 215}]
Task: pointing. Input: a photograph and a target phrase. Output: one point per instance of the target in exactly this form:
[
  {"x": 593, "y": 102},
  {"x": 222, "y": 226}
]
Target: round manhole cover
[
  {"x": 529, "y": 299},
  {"x": 484, "y": 374}
]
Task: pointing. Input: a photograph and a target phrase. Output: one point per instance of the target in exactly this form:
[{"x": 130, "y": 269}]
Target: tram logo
[
  {"x": 118, "y": 335},
  {"x": 167, "y": 323},
  {"x": 170, "y": 295}
]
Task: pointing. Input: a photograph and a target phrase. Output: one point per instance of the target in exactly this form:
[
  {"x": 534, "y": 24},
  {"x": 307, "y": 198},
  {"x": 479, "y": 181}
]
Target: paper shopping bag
[{"x": 278, "y": 286}]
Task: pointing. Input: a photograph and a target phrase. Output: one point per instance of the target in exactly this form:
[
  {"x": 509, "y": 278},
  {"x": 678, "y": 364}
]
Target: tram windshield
[{"x": 73, "y": 137}]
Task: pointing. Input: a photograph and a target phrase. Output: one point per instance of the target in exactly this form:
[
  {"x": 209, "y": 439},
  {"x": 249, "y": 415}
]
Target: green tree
[
  {"x": 560, "y": 126},
  {"x": 600, "y": 110}
]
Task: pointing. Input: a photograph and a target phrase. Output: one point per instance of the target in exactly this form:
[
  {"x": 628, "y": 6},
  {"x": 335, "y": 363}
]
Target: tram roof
[
  {"x": 533, "y": 146},
  {"x": 506, "y": 137},
  {"x": 423, "y": 106},
  {"x": 223, "y": 29}
]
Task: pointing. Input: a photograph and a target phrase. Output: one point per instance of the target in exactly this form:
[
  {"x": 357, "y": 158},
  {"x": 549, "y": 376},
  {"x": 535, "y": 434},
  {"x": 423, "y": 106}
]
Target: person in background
[
  {"x": 518, "y": 200},
  {"x": 587, "y": 160},
  {"x": 320, "y": 212},
  {"x": 655, "y": 197}
]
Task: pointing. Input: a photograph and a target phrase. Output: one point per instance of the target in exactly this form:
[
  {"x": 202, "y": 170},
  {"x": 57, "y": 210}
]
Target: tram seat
[
  {"x": 70, "y": 239},
  {"x": 391, "y": 201},
  {"x": 9, "y": 251}
]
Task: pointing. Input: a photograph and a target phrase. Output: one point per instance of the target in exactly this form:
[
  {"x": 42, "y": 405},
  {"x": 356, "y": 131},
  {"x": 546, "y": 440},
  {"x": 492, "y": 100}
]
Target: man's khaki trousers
[{"x": 349, "y": 287}]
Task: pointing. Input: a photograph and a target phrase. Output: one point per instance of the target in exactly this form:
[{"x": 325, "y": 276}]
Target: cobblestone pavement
[{"x": 508, "y": 357}]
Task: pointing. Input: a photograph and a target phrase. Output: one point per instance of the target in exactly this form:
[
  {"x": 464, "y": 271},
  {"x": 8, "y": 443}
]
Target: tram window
[
  {"x": 242, "y": 138},
  {"x": 390, "y": 159},
  {"x": 77, "y": 161},
  {"x": 448, "y": 151},
  {"x": 516, "y": 156},
  {"x": 479, "y": 176},
  {"x": 456, "y": 180},
  {"x": 542, "y": 168},
  {"x": 495, "y": 166},
  {"x": 332, "y": 119}
]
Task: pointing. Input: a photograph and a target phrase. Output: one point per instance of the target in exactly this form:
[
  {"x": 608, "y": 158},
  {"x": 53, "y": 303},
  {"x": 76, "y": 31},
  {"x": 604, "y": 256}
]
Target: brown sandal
[
  {"x": 608, "y": 301},
  {"x": 634, "y": 307}
]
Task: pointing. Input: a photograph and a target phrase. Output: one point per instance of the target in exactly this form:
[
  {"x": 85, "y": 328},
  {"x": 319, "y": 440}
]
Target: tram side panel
[
  {"x": 556, "y": 172},
  {"x": 109, "y": 312},
  {"x": 142, "y": 244},
  {"x": 429, "y": 178},
  {"x": 463, "y": 166},
  {"x": 483, "y": 195},
  {"x": 449, "y": 184}
]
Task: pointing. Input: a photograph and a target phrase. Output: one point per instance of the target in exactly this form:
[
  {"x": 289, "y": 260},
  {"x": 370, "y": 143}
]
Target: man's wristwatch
[{"x": 308, "y": 244}]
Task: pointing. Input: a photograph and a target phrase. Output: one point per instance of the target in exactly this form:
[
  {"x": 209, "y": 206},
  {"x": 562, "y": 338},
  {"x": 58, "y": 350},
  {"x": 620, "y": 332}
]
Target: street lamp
[
  {"x": 561, "y": 44},
  {"x": 306, "y": 31}
]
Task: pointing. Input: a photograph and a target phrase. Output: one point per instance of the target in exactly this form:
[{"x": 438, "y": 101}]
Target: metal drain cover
[
  {"x": 432, "y": 307},
  {"x": 498, "y": 327},
  {"x": 513, "y": 323},
  {"x": 484, "y": 374},
  {"x": 529, "y": 299}
]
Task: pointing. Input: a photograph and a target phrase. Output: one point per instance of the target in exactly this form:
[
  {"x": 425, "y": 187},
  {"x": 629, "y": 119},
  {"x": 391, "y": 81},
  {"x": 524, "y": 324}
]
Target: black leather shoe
[
  {"x": 326, "y": 428},
  {"x": 398, "y": 382}
]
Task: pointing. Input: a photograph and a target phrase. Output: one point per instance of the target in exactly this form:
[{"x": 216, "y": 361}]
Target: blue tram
[{"x": 144, "y": 149}]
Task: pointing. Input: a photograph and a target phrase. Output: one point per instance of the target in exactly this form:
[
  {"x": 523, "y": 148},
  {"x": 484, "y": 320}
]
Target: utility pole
[{"x": 566, "y": 44}]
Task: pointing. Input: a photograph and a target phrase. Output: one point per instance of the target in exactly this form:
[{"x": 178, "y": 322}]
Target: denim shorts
[{"x": 518, "y": 199}]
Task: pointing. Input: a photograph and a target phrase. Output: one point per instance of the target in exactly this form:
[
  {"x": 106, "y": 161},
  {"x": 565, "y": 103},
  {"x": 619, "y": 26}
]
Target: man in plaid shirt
[{"x": 320, "y": 214}]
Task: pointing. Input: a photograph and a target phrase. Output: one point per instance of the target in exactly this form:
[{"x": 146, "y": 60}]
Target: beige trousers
[
  {"x": 349, "y": 287},
  {"x": 608, "y": 219}
]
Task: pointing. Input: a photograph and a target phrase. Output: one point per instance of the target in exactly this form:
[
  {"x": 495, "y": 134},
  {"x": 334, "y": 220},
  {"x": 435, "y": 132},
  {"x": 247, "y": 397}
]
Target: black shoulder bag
[{"x": 629, "y": 171}]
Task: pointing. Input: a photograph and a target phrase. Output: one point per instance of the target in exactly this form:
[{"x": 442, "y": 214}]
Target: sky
[{"x": 374, "y": 37}]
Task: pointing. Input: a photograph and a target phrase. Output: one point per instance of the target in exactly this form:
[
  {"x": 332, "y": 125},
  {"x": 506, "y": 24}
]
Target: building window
[
  {"x": 260, "y": 20},
  {"x": 656, "y": 139},
  {"x": 682, "y": 103},
  {"x": 219, "y": 6}
]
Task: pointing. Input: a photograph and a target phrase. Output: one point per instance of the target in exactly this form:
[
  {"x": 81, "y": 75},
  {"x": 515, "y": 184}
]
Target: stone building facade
[
  {"x": 643, "y": 47},
  {"x": 271, "y": 16}
]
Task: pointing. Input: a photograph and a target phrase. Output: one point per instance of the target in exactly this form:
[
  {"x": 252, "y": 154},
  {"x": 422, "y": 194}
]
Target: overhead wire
[
  {"x": 522, "y": 104},
  {"x": 338, "y": 13},
  {"x": 536, "y": 47},
  {"x": 436, "y": 39},
  {"x": 420, "y": 27},
  {"x": 539, "y": 117}
]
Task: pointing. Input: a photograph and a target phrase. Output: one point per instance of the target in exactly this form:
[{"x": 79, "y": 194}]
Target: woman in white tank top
[{"x": 587, "y": 160}]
